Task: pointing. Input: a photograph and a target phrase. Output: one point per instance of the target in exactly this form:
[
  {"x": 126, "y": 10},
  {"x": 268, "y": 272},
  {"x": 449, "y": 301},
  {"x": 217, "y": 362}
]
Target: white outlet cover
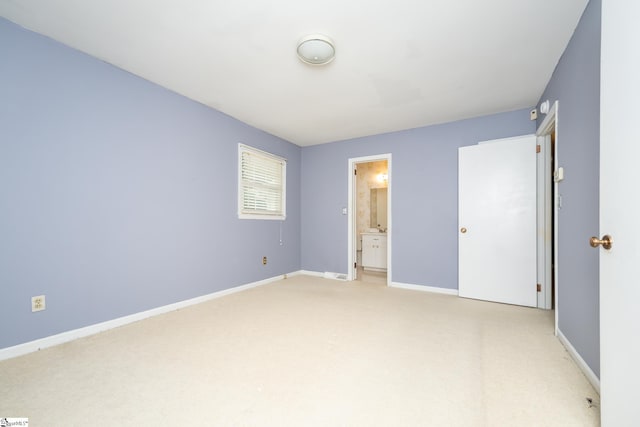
[{"x": 38, "y": 303}]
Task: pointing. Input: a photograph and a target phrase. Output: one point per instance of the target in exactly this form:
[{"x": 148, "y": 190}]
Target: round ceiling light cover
[{"x": 316, "y": 49}]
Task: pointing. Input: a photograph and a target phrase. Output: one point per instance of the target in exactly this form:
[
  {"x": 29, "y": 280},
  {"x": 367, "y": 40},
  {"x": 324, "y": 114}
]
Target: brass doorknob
[
  {"x": 463, "y": 230},
  {"x": 606, "y": 242}
]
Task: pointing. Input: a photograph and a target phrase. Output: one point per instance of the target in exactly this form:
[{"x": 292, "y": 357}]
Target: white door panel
[
  {"x": 619, "y": 214},
  {"x": 497, "y": 221}
]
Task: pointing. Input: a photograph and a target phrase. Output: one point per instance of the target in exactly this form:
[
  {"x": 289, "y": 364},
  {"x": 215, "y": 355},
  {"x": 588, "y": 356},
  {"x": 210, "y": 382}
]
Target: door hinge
[
  {"x": 355, "y": 265},
  {"x": 539, "y": 287},
  {"x": 538, "y": 148},
  {"x": 355, "y": 171}
]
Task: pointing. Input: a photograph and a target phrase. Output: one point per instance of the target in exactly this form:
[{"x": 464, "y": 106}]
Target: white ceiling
[{"x": 399, "y": 64}]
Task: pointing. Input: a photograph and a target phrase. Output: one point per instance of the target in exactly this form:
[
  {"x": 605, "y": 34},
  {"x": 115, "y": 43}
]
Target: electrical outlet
[
  {"x": 264, "y": 260},
  {"x": 38, "y": 303}
]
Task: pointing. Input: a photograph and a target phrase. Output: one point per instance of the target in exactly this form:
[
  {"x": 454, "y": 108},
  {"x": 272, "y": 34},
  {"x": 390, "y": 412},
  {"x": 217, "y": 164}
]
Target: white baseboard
[
  {"x": 311, "y": 273},
  {"x": 586, "y": 370},
  {"x": 53, "y": 340},
  {"x": 421, "y": 288},
  {"x": 432, "y": 289},
  {"x": 295, "y": 273},
  {"x": 325, "y": 275}
]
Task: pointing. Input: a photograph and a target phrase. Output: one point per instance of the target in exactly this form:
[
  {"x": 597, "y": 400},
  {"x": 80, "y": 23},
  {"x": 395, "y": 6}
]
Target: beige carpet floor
[{"x": 310, "y": 352}]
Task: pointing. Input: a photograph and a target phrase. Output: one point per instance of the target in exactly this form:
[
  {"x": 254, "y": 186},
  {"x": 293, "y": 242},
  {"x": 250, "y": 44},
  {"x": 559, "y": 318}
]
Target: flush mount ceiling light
[{"x": 316, "y": 49}]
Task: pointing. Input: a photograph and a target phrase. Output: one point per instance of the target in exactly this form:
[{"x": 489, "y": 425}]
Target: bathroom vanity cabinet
[{"x": 374, "y": 251}]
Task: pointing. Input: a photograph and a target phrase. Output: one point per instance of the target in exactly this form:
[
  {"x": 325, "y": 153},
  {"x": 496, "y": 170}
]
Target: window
[{"x": 261, "y": 184}]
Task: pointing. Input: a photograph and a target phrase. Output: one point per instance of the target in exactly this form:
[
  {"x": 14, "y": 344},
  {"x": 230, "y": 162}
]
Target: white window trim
[{"x": 261, "y": 215}]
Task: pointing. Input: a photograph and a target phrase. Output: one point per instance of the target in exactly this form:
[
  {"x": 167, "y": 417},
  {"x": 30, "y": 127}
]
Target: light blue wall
[
  {"x": 576, "y": 85},
  {"x": 118, "y": 196},
  {"x": 424, "y": 196}
]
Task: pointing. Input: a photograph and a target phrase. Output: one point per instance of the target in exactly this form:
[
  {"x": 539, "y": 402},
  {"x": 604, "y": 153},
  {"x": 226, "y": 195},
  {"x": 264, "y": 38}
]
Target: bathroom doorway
[{"x": 370, "y": 219}]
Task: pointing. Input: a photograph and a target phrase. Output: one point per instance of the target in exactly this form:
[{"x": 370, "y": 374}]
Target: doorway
[
  {"x": 548, "y": 205},
  {"x": 370, "y": 213}
]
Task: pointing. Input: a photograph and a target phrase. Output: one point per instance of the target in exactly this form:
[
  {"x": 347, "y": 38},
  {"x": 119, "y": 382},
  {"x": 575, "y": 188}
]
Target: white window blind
[{"x": 261, "y": 184}]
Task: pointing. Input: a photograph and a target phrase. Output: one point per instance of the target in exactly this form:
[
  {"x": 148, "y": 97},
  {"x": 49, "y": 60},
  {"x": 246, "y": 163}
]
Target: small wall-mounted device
[
  {"x": 544, "y": 107},
  {"x": 558, "y": 175},
  {"x": 534, "y": 114}
]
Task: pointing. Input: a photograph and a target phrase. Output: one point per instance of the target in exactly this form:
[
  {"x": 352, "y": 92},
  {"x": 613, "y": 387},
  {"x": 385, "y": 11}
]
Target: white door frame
[
  {"x": 549, "y": 125},
  {"x": 352, "y": 245}
]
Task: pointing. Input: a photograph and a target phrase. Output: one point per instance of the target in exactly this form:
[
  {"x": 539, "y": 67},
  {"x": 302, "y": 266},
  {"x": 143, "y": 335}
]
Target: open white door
[
  {"x": 497, "y": 221},
  {"x": 619, "y": 214}
]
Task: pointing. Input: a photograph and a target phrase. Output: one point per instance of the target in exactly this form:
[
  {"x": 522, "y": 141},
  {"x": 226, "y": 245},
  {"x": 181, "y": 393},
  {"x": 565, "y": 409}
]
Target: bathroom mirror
[{"x": 378, "y": 208}]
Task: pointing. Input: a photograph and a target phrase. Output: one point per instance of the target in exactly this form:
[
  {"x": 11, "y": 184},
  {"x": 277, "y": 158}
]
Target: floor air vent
[{"x": 335, "y": 276}]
